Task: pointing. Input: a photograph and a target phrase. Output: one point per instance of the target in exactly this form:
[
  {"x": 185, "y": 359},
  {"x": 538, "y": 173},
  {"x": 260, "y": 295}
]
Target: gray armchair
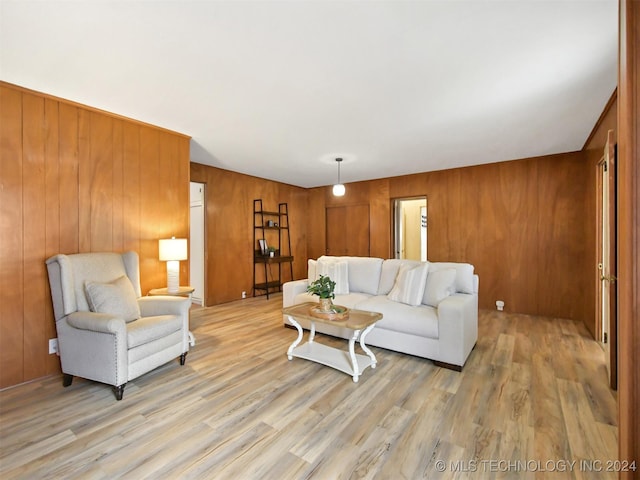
[{"x": 108, "y": 332}]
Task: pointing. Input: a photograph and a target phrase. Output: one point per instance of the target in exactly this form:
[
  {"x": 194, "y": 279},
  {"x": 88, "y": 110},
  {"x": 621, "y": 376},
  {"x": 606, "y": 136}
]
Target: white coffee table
[{"x": 360, "y": 322}]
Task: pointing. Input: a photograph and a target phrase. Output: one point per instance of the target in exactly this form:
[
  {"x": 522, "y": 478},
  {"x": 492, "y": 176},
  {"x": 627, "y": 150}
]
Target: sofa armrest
[
  {"x": 457, "y": 327},
  {"x": 291, "y": 289}
]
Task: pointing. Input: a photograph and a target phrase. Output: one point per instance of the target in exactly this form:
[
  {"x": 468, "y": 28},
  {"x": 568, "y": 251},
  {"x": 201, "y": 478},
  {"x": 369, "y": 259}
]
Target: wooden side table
[{"x": 183, "y": 291}]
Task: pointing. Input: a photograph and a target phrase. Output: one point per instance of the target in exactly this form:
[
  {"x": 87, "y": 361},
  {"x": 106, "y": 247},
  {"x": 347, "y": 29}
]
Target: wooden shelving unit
[{"x": 270, "y": 227}]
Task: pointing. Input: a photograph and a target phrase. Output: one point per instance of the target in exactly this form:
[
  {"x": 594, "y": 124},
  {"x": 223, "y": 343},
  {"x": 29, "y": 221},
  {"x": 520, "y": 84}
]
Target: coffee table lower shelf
[
  {"x": 349, "y": 362},
  {"x": 332, "y": 357}
]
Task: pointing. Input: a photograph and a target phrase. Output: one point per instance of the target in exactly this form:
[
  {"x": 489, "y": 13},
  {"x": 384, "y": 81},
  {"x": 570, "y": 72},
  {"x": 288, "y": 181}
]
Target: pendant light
[{"x": 338, "y": 188}]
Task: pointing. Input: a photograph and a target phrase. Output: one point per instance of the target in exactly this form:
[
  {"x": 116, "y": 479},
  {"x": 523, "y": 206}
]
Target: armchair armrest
[
  {"x": 164, "y": 305},
  {"x": 94, "y": 345},
  {"x": 169, "y": 305},
  {"x": 97, "y": 322}
]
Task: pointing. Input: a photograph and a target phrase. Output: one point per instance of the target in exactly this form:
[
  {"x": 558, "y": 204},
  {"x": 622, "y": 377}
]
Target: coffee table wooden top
[{"x": 358, "y": 319}]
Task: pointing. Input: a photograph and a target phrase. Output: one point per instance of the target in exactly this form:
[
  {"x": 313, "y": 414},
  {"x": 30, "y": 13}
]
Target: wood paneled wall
[
  {"x": 229, "y": 229},
  {"x": 75, "y": 179},
  {"x": 521, "y": 223}
]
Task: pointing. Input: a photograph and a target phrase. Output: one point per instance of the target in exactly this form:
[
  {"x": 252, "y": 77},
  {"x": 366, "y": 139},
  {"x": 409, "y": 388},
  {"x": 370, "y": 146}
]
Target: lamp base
[{"x": 173, "y": 276}]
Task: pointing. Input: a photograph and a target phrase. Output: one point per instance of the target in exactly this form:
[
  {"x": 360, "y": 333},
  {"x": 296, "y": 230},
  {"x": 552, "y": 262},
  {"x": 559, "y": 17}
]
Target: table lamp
[{"x": 172, "y": 250}]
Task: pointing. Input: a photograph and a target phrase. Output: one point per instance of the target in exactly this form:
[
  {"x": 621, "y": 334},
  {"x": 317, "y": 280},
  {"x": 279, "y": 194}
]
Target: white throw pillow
[
  {"x": 338, "y": 271},
  {"x": 311, "y": 270},
  {"x": 116, "y": 298},
  {"x": 410, "y": 284},
  {"x": 440, "y": 284}
]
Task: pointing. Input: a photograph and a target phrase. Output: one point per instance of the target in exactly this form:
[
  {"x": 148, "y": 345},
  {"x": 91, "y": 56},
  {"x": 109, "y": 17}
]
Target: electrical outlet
[
  {"x": 53, "y": 345},
  {"x": 244, "y": 294}
]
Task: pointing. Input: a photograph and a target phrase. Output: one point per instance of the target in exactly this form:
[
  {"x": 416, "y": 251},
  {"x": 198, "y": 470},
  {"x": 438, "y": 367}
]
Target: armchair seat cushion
[{"x": 149, "y": 329}]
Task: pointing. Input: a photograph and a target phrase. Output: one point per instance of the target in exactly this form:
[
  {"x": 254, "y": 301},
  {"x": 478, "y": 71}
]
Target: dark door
[{"x": 348, "y": 230}]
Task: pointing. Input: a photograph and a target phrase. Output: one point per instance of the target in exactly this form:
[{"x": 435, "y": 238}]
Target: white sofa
[{"x": 429, "y": 309}]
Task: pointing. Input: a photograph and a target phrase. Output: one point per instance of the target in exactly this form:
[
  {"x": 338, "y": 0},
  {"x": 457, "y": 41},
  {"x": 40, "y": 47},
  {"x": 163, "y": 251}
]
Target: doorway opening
[
  {"x": 410, "y": 228},
  {"x": 197, "y": 242}
]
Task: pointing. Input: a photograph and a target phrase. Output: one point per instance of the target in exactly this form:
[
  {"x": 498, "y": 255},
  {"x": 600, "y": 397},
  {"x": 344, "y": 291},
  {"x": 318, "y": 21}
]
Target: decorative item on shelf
[
  {"x": 270, "y": 223},
  {"x": 262, "y": 244},
  {"x": 271, "y": 251},
  {"x": 324, "y": 288},
  {"x": 172, "y": 250},
  {"x": 338, "y": 188}
]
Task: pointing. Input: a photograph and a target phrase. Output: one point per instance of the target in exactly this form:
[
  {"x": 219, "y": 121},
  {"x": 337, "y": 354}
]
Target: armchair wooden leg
[
  {"x": 183, "y": 358},
  {"x": 66, "y": 379},
  {"x": 118, "y": 390}
]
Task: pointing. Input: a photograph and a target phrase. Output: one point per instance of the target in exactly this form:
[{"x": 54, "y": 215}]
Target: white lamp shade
[
  {"x": 338, "y": 189},
  {"x": 173, "y": 249}
]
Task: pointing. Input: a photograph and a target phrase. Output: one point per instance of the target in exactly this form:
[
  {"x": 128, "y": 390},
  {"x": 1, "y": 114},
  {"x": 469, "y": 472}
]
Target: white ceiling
[{"x": 278, "y": 89}]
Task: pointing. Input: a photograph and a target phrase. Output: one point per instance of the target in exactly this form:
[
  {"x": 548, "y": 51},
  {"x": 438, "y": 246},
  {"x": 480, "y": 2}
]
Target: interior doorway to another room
[
  {"x": 410, "y": 228},
  {"x": 197, "y": 242}
]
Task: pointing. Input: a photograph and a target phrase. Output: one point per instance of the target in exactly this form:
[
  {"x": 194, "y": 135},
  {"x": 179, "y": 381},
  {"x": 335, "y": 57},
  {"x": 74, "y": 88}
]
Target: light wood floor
[{"x": 533, "y": 393}]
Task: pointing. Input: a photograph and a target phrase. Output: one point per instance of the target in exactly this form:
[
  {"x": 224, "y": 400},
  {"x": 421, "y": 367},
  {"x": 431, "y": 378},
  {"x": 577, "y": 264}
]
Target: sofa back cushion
[
  {"x": 464, "y": 274},
  {"x": 440, "y": 284},
  {"x": 363, "y": 273}
]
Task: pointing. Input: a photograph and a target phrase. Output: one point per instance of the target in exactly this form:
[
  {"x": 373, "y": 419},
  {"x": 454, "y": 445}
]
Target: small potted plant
[
  {"x": 324, "y": 288},
  {"x": 271, "y": 251}
]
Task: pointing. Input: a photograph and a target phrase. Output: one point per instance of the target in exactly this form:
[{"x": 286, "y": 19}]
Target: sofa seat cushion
[
  {"x": 349, "y": 301},
  {"x": 148, "y": 329},
  {"x": 399, "y": 317}
]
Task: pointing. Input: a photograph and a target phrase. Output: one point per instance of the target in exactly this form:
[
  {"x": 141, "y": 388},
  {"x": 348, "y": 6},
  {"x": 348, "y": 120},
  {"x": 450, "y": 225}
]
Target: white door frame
[{"x": 197, "y": 240}]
